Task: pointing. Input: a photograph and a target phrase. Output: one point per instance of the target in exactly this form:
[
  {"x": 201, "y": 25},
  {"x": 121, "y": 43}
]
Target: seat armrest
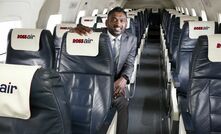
[
  {"x": 174, "y": 105},
  {"x": 186, "y": 124},
  {"x": 110, "y": 123},
  {"x": 175, "y": 80}
]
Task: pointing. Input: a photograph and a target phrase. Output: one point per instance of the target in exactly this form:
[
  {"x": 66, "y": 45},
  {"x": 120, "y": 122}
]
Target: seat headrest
[
  {"x": 173, "y": 12},
  {"x": 104, "y": 19},
  {"x": 89, "y": 21},
  {"x": 198, "y": 28},
  {"x": 155, "y": 10},
  {"x": 34, "y": 49},
  {"x": 131, "y": 14},
  {"x": 82, "y": 45},
  {"x": 93, "y": 64},
  {"x": 26, "y": 39},
  {"x": 202, "y": 67},
  {"x": 102, "y": 15},
  {"x": 128, "y": 23},
  {"x": 187, "y": 18},
  {"x": 214, "y": 47},
  {"x": 101, "y": 25},
  {"x": 15, "y": 85},
  {"x": 64, "y": 27}
]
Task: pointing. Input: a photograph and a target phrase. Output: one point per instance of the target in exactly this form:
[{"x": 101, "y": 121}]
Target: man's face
[{"x": 116, "y": 23}]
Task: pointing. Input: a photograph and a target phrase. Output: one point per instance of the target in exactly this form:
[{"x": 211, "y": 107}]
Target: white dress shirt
[{"x": 115, "y": 44}]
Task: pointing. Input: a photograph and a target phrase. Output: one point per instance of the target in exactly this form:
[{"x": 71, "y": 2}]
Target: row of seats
[
  {"x": 76, "y": 98},
  {"x": 181, "y": 36},
  {"x": 85, "y": 90}
]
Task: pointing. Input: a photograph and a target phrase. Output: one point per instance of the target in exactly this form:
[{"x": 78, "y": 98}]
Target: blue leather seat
[
  {"x": 188, "y": 40},
  {"x": 49, "y": 111},
  {"x": 175, "y": 35},
  {"x": 131, "y": 26},
  {"x": 89, "y": 82},
  {"x": 185, "y": 48},
  {"x": 58, "y": 33},
  {"x": 31, "y": 47},
  {"x": 204, "y": 92},
  {"x": 90, "y": 21}
]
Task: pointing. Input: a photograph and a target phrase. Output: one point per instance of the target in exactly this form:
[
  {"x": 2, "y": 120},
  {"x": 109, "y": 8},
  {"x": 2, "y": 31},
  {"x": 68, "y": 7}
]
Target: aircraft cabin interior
[{"x": 56, "y": 81}]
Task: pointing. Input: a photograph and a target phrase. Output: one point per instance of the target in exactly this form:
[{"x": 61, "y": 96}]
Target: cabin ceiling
[{"x": 149, "y": 4}]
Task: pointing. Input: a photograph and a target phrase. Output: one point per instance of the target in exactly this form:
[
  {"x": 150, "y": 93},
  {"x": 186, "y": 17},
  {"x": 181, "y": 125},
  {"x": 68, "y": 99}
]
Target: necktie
[{"x": 116, "y": 50}]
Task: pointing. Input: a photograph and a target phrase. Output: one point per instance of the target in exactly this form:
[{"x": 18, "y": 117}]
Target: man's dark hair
[{"x": 116, "y": 9}]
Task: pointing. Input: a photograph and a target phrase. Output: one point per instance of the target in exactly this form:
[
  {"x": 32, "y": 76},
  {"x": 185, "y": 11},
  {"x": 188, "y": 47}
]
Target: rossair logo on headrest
[
  {"x": 7, "y": 88},
  {"x": 218, "y": 45},
  {"x": 88, "y": 20},
  {"x": 82, "y": 40},
  {"x": 201, "y": 28},
  {"x": 65, "y": 28},
  {"x": 24, "y": 36}
]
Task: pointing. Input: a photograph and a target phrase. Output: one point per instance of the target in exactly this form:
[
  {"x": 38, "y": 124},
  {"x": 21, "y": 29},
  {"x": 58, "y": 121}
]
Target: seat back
[
  {"x": 131, "y": 26},
  {"x": 58, "y": 33},
  {"x": 205, "y": 86},
  {"x": 103, "y": 17},
  {"x": 31, "y": 47},
  {"x": 90, "y": 21},
  {"x": 86, "y": 69},
  {"x": 35, "y": 104},
  {"x": 175, "y": 35},
  {"x": 188, "y": 39}
]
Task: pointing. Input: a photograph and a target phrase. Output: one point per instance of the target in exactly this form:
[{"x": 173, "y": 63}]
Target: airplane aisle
[{"x": 146, "y": 110}]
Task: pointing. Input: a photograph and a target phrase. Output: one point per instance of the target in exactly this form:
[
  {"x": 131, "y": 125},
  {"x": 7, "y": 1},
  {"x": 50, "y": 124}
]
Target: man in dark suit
[{"x": 124, "y": 49}]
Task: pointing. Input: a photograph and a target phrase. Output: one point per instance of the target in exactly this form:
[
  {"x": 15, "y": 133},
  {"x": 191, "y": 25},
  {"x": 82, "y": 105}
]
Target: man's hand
[
  {"x": 80, "y": 29},
  {"x": 120, "y": 86}
]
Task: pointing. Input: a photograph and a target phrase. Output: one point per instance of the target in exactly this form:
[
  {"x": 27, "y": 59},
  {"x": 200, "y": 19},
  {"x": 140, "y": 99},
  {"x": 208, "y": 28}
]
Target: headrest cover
[
  {"x": 214, "y": 47},
  {"x": 101, "y": 25},
  {"x": 62, "y": 28},
  {"x": 176, "y": 14},
  {"x": 131, "y": 14},
  {"x": 15, "y": 85},
  {"x": 83, "y": 45},
  {"x": 104, "y": 19},
  {"x": 102, "y": 15},
  {"x": 26, "y": 39},
  {"x": 128, "y": 23},
  {"x": 187, "y": 18},
  {"x": 89, "y": 21},
  {"x": 173, "y": 12},
  {"x": 169, "y": 10},
  {"x": 198, "y": 28},
  {"x": 155, "y": 10},
  {"x": 180, "y": 15}
]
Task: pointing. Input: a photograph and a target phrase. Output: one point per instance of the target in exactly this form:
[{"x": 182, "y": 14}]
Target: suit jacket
[{"x": 128, "y": 46}]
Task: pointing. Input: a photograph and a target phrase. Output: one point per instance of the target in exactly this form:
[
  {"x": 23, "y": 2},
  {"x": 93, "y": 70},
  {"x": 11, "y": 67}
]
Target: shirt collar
[{"x": 113, "y": 37}]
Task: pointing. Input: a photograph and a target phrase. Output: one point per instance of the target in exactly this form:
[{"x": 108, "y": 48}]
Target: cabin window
[
  {"x": 53, "y": 21},
  {"x": 187, "y": 11},
  {"x": 95, "y": 12},
  {"x": 219, "y": 18},
  {"x": 105, "y": 11},
  {"x": 5, "y": 27},
  {"x": 182, "y": 10},
  {"x": 177, "y": 9},
  {"x": 193, "y": 12},
  {"x": 203, "y": 15},
  {"x": 80, "y": 14}
]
